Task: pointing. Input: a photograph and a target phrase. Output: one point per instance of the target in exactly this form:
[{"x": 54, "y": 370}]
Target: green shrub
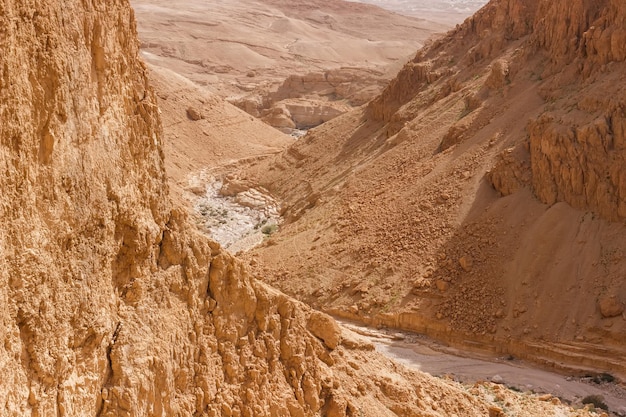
[{"x": 269, "y": 229}]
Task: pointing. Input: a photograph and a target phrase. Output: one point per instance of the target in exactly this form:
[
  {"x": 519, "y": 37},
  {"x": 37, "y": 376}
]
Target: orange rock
[
  {"x": 194, "y": 114},
  {"x": 610, "y": 306},
  {"x": 466, "y": 263},
  {"x": 495, "y": 411},
  {"x": 324, "y": 327},
  {"x": 442, "y": 285}
]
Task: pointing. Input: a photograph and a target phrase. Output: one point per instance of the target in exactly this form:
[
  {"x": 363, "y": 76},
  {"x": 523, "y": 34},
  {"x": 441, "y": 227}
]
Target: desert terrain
[
  {"x": 168, "y": 252},
  {"x": 447, "y": 12},
  {"x": 452, "y": 204},
  {"x": 393, "y": 214},
  {"x": 293, "y": 65}
]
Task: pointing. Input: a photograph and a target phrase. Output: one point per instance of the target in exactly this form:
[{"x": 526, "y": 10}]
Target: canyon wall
[
  {"x": 84, "y": 202},
  {"x": 306, "y": 101},
  {"x": 575, "y": 155}
]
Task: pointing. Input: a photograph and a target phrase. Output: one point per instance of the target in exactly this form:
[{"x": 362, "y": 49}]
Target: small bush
[
  {"x": 269, "y": 229},
  {"x": 597, "y": 401}
]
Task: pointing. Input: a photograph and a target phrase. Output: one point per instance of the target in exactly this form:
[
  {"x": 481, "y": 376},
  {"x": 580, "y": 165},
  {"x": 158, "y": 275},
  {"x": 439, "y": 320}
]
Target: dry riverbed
[
  {"x": 237, "y": 221},
  {"x": 418, "y": 352}
]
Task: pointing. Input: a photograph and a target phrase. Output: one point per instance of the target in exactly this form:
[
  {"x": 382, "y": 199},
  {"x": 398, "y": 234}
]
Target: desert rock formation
[
  {"x": 480, "y": 197},
  {"x": 111, "y": 304}
]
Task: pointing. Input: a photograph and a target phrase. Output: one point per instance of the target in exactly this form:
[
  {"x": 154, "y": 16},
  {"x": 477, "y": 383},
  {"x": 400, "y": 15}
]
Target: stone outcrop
[
  {"x": 305, "y": 101},
  {"x": 324, "y": 327},
  {"x": 511, "y": 171},
  {"x": 610, "y": 306},
  {"x": 279, "y": 117},
  {"x": 194, "y": 114},
  {"x": 340, "y": 83},
  {"x": 575, "y": 155},
  {"x": 581, "y": 161},
  {"x": 302, "y": 113}
]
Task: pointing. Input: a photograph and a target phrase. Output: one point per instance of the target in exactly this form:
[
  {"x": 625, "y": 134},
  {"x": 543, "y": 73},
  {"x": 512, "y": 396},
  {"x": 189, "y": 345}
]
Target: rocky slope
[
  {"x": 111, "y": 304},
  {"x": 202, "y": 132},
  {"x": 479, "y": 198}
]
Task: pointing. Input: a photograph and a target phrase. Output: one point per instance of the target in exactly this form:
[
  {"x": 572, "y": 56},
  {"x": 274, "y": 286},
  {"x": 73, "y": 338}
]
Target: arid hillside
[
  {"x": 293, "y": 64},
  {"x": 202, "y": 132},
  {"x": 481, "y": 198},
  {"x": 443, "y": 11},
  {"x": 111, "y": 304}
]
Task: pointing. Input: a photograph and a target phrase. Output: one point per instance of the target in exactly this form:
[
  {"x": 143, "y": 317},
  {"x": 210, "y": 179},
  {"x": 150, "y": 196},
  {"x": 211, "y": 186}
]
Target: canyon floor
[
  {"x": 419, "y": 352},
  {"x": 276, "y": 62}
]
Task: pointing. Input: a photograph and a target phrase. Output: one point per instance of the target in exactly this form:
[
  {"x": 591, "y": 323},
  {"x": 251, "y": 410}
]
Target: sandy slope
[
  {"x": 218, "y": 43},
  {"x": 223, "y": 135}
]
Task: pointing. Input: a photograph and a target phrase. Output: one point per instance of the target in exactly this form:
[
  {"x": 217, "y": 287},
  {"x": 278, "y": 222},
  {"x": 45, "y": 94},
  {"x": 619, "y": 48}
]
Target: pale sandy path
[{"x": 418, "y": 352}]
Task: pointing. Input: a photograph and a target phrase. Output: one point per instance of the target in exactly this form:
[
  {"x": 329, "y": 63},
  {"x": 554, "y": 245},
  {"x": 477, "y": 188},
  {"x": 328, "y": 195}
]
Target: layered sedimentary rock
[
  {"x": 306, "y": 101},
  {"x": 570, "y": 153}
]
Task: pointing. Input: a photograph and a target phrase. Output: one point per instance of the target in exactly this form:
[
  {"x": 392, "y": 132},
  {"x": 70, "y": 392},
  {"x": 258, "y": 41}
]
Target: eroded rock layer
[{"x": 575, "y": 157}]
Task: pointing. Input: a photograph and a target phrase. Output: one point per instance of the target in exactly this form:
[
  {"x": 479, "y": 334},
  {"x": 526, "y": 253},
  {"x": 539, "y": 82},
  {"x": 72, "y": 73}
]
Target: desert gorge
[{"x": 313, "y": 208}]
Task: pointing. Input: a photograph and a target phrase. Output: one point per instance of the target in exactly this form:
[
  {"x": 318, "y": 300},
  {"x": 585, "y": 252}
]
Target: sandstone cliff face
[
  {"x": 577, "y": 157},
  {"x": 341, "y": 83},
  {"x": 111, "y": 305},
  {"x": 77, "y": 239},
  {"x": 306, "y": 101}
]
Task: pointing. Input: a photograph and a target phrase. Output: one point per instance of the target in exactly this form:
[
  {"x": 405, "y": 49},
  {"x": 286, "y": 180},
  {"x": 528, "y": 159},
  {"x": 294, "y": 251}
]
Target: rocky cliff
[
  {"x": 480, "y": 197},
  {"x": 111, "y": 304},
  {"x": 575, "y": 155}
]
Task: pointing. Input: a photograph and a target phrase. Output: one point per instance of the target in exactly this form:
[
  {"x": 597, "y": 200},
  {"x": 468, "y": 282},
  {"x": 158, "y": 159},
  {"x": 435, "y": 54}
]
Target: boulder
[
  {"x": 610, "y": 306},
  {"x": 194, "y": 114},
  {"x": 325, "y": 328}
]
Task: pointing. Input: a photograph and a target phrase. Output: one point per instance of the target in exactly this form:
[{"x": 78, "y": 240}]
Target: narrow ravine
[{"x": 243, "y": 219}]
